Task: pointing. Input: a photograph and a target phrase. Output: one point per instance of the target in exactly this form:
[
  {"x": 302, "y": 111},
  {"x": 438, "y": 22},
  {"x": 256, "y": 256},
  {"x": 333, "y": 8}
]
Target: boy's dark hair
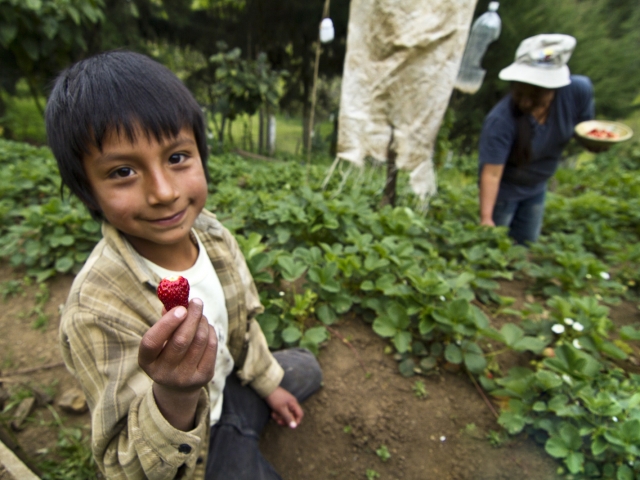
[{"x": 115, "y": 91}]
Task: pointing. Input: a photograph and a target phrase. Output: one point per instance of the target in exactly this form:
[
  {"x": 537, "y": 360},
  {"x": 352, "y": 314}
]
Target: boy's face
[{"x": 152, "y": 192}]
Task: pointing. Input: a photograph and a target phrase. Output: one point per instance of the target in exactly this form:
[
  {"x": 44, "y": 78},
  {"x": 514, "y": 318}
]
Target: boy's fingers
[
  {"x": 154, "y": 340},
  {"x": 180, "y": 342},
  {"x": 297, "y": 412},
  {"x": 278, "y": 418},
  {"x": 286, "y": 416},
  {"x": 198, "y": 348},
  {"x": 208, "y": 359}
]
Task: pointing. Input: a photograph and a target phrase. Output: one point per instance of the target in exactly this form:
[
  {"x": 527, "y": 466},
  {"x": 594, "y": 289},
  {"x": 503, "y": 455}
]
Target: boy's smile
[{"x": 152, "y": 192}]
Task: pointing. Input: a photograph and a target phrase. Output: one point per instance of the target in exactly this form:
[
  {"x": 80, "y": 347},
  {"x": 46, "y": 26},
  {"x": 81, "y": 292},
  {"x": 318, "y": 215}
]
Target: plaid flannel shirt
[{"x": 111, "y": 305}]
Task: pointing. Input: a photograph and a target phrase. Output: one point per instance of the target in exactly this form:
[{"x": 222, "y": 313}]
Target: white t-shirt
[{"x": 205, "y": 285}]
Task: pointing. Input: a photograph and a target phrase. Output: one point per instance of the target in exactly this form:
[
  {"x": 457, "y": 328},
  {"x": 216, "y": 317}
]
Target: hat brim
[{"x": 541, "y": 77}]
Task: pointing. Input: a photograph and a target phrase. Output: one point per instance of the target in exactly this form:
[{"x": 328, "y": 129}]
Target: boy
[{"x": 129, "y": 140}]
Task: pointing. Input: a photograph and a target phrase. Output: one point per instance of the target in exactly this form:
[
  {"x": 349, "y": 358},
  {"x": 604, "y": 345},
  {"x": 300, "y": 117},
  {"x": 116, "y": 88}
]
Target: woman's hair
[
  {"x": 115, "y": 92},
  {"x": 521, "y": 150}
]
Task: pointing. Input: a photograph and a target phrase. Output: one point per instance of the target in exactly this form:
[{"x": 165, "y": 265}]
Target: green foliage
[
  {"x": 38, "y": 38},
  {"x": 73, "y": 450},
  {"x": 38, "y": 230},
  {"x": 383, "y": 453},
  {"x": 422, "y": 281},
  {"x": 235, "y": 86}
]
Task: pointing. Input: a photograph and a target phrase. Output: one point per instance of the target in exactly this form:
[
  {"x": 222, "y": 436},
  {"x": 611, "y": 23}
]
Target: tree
[{"x": 40, "y": 37}]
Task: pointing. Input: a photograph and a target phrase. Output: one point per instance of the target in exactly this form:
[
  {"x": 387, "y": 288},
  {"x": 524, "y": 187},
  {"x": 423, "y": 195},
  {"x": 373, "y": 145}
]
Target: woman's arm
[{"x": 489, "y": 184}]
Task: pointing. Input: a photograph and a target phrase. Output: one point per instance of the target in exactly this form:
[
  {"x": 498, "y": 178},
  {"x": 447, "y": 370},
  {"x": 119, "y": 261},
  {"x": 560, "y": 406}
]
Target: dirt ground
[{"x": 442, "y": 436}]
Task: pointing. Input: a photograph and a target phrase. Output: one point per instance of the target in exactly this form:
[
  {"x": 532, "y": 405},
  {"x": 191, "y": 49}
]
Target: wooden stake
[
  {"x": 316, "y": 66},
  {"x": 389, "y": 192}
]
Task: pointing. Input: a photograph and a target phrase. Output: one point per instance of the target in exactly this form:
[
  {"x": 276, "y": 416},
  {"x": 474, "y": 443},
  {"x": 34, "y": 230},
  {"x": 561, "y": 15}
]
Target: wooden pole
[
  {"x": 389, "y": 192},
  {"x": 316, "y": 66}
]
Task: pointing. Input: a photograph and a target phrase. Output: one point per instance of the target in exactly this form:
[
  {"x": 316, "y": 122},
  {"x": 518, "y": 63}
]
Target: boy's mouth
[{"x": 171, "y": 219}]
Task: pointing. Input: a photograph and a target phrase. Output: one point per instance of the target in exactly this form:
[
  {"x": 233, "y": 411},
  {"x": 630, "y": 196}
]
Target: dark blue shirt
[{"x": 571, "y": 105}]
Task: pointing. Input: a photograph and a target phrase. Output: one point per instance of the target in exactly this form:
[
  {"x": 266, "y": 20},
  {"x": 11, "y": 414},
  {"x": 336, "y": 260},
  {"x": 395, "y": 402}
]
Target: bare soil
[{"x": 442, "y": 436}]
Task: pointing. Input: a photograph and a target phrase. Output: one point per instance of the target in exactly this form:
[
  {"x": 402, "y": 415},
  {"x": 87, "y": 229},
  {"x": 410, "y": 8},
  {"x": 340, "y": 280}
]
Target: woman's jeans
[
  {"x": 524, "y": 217},
  {"x": 233, "y": 446}
]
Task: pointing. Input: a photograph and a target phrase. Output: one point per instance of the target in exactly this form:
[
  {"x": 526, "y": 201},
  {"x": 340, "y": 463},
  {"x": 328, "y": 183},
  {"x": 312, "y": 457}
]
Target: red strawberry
[{"x": 174, "y": 291}]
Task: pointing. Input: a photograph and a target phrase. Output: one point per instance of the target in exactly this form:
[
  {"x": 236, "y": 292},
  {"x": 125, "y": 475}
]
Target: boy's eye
[
  {"x": 177, "y": 158},
  {"x": 122, "y": 172}
]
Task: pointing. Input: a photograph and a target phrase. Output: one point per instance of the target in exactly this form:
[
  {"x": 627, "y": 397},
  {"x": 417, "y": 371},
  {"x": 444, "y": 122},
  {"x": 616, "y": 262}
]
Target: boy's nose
[{"x": 160, "y": 188}]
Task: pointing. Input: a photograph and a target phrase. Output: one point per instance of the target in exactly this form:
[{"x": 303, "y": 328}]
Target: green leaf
[
  {"x": 428, "y": 363},
  {"x": 384, "y": 326},
  {"x": 326, "y": 314},
  {"x": 402, "y": 340},
  {"x": 290, "y": 268},
  {"x": 407, "y": 367},
  {"x": 511, "y": 333},
  {"x": 64, "y": 264},
  {"x": 629, "y": 333},
  {"x": 575, "y": 462},
  {"x": 367, "y": 286},
  {"x": 291, "y": 334},
  {"x": 475, "y": 362},
  {"x": 556, "y": 447},
  {"x": 316, "y": 335},
  {"x": 30, "y": 47},
  {"x": 570, "y": 436},
  {"x": 512, "y": 422},
  {"x": 453, "y": 354},
  {"x": 548, "y": 380},
  {"x": 624, "y": 473},
  {"x": 613, "y": 351},
  {"x": 599, "y": 446},
  {"x": 8, "y": 33},
  {"x": 532, "y": 344}
]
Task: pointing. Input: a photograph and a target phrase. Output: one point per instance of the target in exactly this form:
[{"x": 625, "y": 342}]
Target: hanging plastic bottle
[{"x": 485, "y": 30}]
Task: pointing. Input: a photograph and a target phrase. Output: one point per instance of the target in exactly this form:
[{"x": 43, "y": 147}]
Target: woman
[{"x": 524, "y": 134}]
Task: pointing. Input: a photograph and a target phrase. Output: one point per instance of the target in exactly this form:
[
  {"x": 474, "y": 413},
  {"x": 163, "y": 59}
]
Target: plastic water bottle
[{"x": 485, "y": 30}]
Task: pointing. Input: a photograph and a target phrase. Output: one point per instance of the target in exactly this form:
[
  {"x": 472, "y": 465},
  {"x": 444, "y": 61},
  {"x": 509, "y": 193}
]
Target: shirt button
[{"x": 184, "y": 448}]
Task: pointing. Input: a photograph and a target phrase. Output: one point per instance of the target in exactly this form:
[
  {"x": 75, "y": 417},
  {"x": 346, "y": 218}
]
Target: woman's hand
[{"x": 285, "y": 408}]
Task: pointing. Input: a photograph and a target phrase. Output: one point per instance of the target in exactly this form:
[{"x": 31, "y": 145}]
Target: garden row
[{"x": 421, "y": 280}]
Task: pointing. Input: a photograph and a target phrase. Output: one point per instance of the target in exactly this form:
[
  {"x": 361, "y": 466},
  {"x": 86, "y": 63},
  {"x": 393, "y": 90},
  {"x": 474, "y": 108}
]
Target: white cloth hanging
[{"x": 401, "y": 64}]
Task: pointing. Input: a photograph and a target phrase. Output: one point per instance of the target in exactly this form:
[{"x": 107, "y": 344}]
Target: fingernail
[
  {"x": 293, "y": 424},
  {"x": 180, "y": 312},
  {"x": 197, "y": 301}
]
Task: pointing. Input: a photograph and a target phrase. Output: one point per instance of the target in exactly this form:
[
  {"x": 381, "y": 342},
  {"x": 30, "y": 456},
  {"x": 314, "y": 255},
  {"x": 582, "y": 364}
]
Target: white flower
[
  {"x": 568, "y": 321},
  {"x": 567, "y": 379},
  {"x": 442, "y": 298},
  {"x": 443, "y": 438},
  {"x": 281, "y": 294},
  {"x": 576, "y": 343},
  {"x": 615, "y": 419},
  {"x": 558, "y": 328},
  {"x": 605, "y": 275},
  {"x": 578, "y": 327}
]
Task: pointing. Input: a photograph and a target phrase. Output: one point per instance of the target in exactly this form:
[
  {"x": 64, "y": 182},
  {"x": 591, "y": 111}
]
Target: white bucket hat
[{"x": 542, "y": 61}]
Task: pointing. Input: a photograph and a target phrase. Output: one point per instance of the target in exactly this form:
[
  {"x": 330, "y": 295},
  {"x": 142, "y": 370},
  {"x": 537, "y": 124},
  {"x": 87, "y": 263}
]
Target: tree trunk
[
  {"x": 271, "y": 133},
  {"x": 261, "y": 131},
  {"x": 307, "y": 80}
]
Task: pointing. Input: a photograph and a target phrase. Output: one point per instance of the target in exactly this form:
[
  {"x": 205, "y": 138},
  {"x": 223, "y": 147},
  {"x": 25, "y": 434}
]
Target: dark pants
[
  {"x": 524, "y": 218},
  {"x": 233, "y": 447}
]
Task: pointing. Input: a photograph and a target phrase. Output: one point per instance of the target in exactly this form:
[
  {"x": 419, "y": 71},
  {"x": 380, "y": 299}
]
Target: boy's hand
[
  {"x": 179, "y": 354},
  {"x": 285, "y": 408}
]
